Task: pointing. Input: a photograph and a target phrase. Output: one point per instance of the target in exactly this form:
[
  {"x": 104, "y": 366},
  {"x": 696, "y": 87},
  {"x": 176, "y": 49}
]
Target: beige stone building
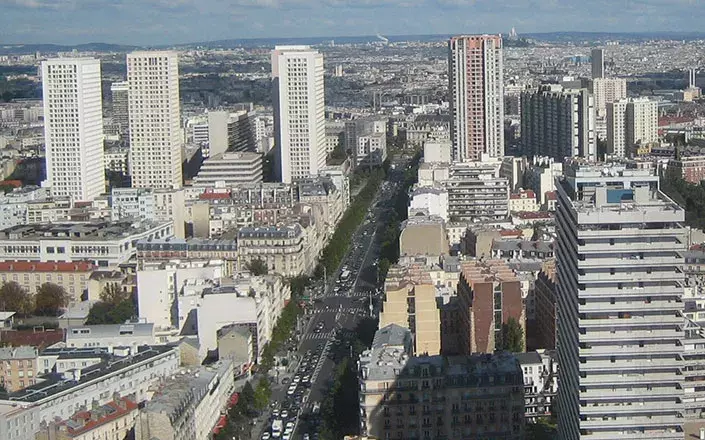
[
  {"x": 438, "y": 397},
  {"x": 18, "y": 367},
  {"x": 423, "y": 236},
  {"x": 411, "y": 303},
  {"x": 73, "y": 277}
]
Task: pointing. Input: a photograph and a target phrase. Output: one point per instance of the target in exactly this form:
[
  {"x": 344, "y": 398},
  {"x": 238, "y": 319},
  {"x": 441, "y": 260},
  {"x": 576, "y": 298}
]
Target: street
[{"x": 333, "y": 311}]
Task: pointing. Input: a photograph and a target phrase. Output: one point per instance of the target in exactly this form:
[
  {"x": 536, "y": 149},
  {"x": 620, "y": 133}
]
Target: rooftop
[
  {"x": 478, "y": 271},
  {"x": 78, "y": 231},
  {"x": 22, "y": 352},
  {"x": 137, "y": 329},
  {"x": 85, "y": 421},
  {"x": 56, "y": 383}
]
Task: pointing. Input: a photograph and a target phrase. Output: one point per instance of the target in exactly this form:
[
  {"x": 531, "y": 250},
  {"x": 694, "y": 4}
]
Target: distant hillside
[{"x": 21, "y": 49}]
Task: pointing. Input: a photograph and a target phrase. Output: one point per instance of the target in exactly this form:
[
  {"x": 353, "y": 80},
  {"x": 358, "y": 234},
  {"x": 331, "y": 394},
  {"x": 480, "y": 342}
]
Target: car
[
  {"x": 267, "y": 436},
  {"x": 289, "y": 425},
  {"x": 275, "y": 413},
  {"x": 306, "y": 436},
  {"x": 296, "y": 379},
  {"x": 290, "y": 391},
  {"x": 285, "y": 380},
  {"x": 286, "y": 436}
]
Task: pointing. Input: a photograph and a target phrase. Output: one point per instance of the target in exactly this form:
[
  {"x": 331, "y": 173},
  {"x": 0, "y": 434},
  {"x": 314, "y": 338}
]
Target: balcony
[
  {"x": 635, "y": 408},
  {"x": 638, "y": 381},
  {"x": 633, "y": 422}
]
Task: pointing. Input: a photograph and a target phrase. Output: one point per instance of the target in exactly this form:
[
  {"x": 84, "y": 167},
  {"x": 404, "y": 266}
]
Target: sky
[{"x": 160, "y": 22}]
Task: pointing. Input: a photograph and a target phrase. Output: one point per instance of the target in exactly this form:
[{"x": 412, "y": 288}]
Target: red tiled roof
[
  {"x": 214, "y": 196},
  {"x": 533, "y": 215},
  {"x": 523, "y": 194},
  {"x": 35, "y": 266},
  {"x": 90, "y": 424},
  {"x": 41, "y": 339},
  {"x": 510, "y": 233},
  {"x": 551, "y": 195},
  {"x": 15, "y": 183}
]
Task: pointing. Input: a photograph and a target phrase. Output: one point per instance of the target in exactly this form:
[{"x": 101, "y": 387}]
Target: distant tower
[
  {"x": 513, "y": 34},
  {"x": 598, "y": 63},
  {"x": 299, "y": 111},
  {"x": 475, "y": 72},
  {"x": 73, "y": 127},
  {"x": 691, "y": 79},
  {"x": 155, "y": 119}
]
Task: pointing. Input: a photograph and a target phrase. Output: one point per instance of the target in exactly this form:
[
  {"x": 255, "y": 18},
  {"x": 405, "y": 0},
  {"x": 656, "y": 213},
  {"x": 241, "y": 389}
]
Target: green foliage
[
  {"x": 257, "y": 267},
  {"x": 339, "y": 410},
  {"x": 263, "y": 394},
  {"x": 338, "y": 155},
  {"x": 282, "y": 331},
  {"x": 337, "y": 247},
  {"x": 298, "y": 286},
  {"x": 512, "y": 336},
  {"x": 690, "y": 196},
  {"x": 113, "y": 294},
  {"x": 14, "y": 298},
  {"x": 541, "y": 430},
  {"x": 107, "y": 313},
  {"x": 50, "y": 299}
]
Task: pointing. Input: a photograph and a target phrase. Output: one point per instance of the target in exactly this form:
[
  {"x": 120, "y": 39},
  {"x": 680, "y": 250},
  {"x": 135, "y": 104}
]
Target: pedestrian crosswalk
[{"x": 322, "y": 335}]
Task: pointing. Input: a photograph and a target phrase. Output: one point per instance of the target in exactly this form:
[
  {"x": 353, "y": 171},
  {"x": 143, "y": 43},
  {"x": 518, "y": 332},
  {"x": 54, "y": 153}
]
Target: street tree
[
  {"x": 257, "y": 267},
  {"x": 512, "y": 336},
  {"x": 14, "y": 298},
  {"x": 50, "y": 299},
  {"x": 263, "y": 394},
  {"x": 113, "y": 293}
]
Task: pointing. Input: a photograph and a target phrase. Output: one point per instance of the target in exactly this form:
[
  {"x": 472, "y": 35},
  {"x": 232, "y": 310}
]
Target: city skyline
[{"x": 159, "y": 22}]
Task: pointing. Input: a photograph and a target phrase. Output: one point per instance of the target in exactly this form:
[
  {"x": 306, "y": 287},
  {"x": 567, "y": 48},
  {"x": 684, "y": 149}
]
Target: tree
[
  {"x": 14, "y": 298},
  {"x": 50, "y": 299},
  {"x": 113, "y": 294},
  {"x": 257, "y": 267},
  {"x": 107, "y": 313},
  {"x": 512, "y": 336},
  {"x": 246, "y": 399},
  {"x": 263, "y": 394}
]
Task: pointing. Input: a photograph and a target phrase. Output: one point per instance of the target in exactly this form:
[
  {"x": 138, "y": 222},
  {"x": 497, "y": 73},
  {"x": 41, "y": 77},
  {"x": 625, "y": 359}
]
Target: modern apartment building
[
  {"x": 476, "y": 85},
  {"x": 299, "y": 111},
  {"x": 73, "y": 127},
  {"x": 437, "y": 397},
  {"x": 230, "y": 169},
  {"x": 119, "y": 92},
  {"x": 476, "y": 192},
  {"x": 620, "y": 282},
  {"x": 607, "y": 90},
  {"x": 230, "y": 131},
  {"x": 558, "y": 123},
  {"x": 412, "y": 305},
  {"x": 155, "y": 119},
  {"x": 489, "y": 295},
  {"x": 100, "y": 243},
  {"x": 629, "y": 122}
]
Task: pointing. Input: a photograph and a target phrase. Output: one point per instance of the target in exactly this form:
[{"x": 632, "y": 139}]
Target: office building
[
  {"x": 630, "y": 122},
  {"x": 299, "y": 111},
  {"x": 597, "y": 58},
  {"x": 558, "y": 123},
  {"x": 619, "y": 265},
  {"x": 73, "y": 127},
  {"x": 475, "y": 73},
  {"x": 119, "y": 91},
  {"x": 230, "y": 131},
  {"x": 454, "y": 397},
  {"x": 155, "y": 119},
  {"x": 607, "y": 90},
  {"x": 188, "y": 405},
  {"x": 230, "y": 169}
]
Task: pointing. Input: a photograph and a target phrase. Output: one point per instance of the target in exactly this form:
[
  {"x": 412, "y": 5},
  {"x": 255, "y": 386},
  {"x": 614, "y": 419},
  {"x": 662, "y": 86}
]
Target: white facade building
[
  {"x": 299, "y": 111},
  {"x": 629, "y": 122},
  {"x": 230, "y": 169},
  {"x": 132, "y": 334},
  {"x": 155, "y": 119},
  {"x": 429, "y": 201},
  {"x": 620, "y": 276},
  {"x": 607, "y": 90},
  {"x": 475, "y": 73},
  {"x": 73, "y": 127},
  {"x": 22, "y": 412}
]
